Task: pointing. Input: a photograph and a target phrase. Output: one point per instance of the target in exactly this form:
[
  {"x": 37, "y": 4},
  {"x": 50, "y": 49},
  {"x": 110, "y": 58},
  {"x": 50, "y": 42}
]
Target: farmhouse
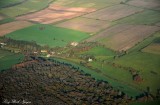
[
  {"x": 48, "y": 55},
  {"x": 90, "y": 60},
  {"x": 2, "y": 44},
  {"x": 35, "y": 52},
  {"x": 74, "y": 43},
  {"x": 52, "y": 53},
  {"x": 16, "y": 51},
  {"x": 43, "y": 51}
]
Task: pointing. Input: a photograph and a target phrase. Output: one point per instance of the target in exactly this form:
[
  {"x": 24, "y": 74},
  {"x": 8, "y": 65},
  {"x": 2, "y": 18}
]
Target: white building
[
  {"x": 43, "y": 51},
  {"x": 48, "y": 55},
  {"x": 74, "y": 43},
  {"x": 3, "y": 44},
  {"x": 90, "y": 60}
]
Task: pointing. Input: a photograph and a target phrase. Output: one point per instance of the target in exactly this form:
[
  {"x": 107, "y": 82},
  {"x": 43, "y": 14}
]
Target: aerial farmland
[
  {"x": 80, "y": 52},
  {"x": 85, "y": 24},
  {"x": 8, "y": 27},
  {"x": 123, "y": 37}
]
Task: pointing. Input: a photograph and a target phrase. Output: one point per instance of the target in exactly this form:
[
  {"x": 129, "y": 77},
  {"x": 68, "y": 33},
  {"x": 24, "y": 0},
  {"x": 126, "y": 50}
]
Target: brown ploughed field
[
  {"x": 55, "y": 13},
  {"x": 123, "y": 37}
]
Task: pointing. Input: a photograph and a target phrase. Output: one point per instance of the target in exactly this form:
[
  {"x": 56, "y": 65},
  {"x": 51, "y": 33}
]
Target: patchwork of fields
[
  {"x": 48, "y": 35},
  {"x": 118, "y": 26},
  {"x": 123, "y": 37},
  {"x": 114, "y": 12},
  {"x": 151, "y": 17},
  {"x": 13, "y": 26},
  {"x": 55, "y": 13},
  {"x": 85, "y": 24},
  {"x": 24, "y": 8}
]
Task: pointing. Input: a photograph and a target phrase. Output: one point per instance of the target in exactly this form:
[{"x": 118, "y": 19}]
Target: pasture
[
  {"x": 26, "y": 7},
  {"x": 148, "y": 66},
  {"x": 13, "y": 26},
  {"x": 55, "y": 13},
  {"x": 113, "y": 13},
  {"x": 123, "y": 37},
  {"x": 48, "y": 35},
  {"x": 145, "y": 4},
  {"x": 8, "y": 59},
  {"x": 99, "y": 51},
  {"x": 84, "y": 24}
]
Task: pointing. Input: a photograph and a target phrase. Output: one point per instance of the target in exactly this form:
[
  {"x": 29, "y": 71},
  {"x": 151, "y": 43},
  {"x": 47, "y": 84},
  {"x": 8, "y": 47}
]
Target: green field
[
  {"x": 50, "y": 35},
  {"x": 99, "y": 53},
  {"x": 8, "y": 59},
  {"x": 26, "y": 7},
  {"x": 113, "y": 72},
  {"x": 145, "y": 63},
  {"x": 151, "y": 17}
]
